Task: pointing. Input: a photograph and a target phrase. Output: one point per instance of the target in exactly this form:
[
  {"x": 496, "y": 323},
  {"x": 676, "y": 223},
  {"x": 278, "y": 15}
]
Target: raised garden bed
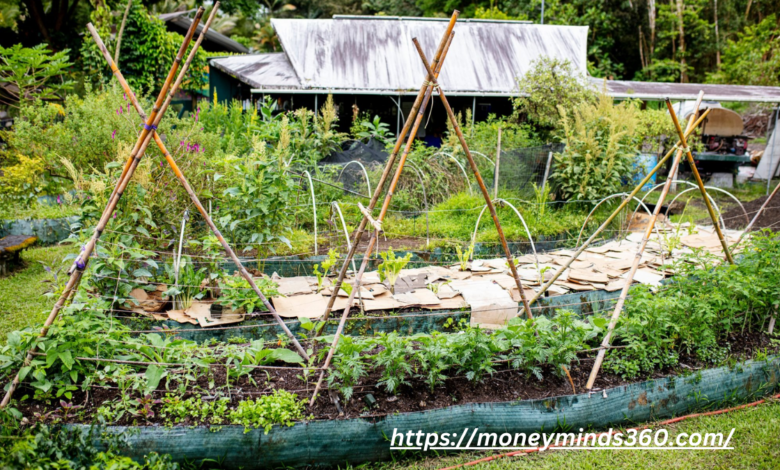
[{"x": 363, "y": 439}]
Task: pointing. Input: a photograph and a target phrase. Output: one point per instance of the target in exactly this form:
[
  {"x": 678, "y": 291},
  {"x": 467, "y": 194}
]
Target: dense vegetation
[{"x": 727, "y": 41}]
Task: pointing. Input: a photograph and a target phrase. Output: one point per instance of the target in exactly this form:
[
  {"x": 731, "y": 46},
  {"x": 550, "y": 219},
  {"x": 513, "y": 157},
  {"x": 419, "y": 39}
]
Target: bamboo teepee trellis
[
  {"x": 429, "y": 85},
  {"x": 149, "y": 132}
]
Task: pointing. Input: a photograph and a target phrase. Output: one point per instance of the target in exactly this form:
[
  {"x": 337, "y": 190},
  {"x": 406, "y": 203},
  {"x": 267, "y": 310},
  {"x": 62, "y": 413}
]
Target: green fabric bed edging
[{"x": 354, "y": 441}]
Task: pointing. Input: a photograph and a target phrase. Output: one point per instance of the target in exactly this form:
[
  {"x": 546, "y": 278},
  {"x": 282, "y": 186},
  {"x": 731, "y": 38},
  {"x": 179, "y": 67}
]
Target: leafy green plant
[
  {"x": 551, "y": 83},
  {"x": 237, "y": 294},
  {"x": 348, "y": 366},
  {"x": 193, "y": 410},
  {"x": 280, "y": 407},
  {"x": 391, "y": 267},
  {"x": 464, "y": 257},
  {"x": 191, "y": 283},
  {"x": 600, "y": 149},
  {"x": 322, "y": 270},
  {"x": 393, "y": 357},
  {"x": 375, "y": 129},
  {"x": 33, "y": 73},
  {"x": 434, "y": 357}
]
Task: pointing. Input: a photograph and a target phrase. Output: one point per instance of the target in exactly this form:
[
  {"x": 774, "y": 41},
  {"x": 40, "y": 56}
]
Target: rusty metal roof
[
  {"x": 268, "y": 71},
  {"x": 690, "y": 91},
  {"x": 375, "y": 55},
  {"x": 378, "y": 54}
]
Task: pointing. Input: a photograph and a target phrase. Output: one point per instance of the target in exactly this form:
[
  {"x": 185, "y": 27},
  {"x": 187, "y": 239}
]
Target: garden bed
[{"x": 322, "y": 442}]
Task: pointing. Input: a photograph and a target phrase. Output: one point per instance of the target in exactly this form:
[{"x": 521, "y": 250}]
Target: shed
[{"x": 369, "y": 62}]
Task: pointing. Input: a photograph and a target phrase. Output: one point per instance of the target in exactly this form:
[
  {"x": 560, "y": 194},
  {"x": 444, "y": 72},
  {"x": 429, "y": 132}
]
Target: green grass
[
  {"x": 756, "y": 443},
  {"x": 22, "y": 302}
]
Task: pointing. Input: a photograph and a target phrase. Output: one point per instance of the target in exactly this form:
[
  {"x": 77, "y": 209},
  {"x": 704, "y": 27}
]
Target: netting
[{"x": 521, "y": 168}]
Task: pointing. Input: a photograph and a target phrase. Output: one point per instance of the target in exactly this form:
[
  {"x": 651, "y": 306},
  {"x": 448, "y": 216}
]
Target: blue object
[{"x": 642, "y": 166}]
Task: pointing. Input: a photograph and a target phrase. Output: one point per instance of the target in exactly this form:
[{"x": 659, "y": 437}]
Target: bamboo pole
[
  {"x": 77, "y": 270},
  {"x": 428, "y": 85},
  {"x": 185, "y": 183},
  {"x": 424, "y": 92},
  {"x": 498, "y": 160},
  {"x": 615, "y": 213},
  {"x": 488, "y": 201},
  {"x": 637, "y": 259},
  {"x": 157, "y": 105},
  {"x": 699, "y": 182}
]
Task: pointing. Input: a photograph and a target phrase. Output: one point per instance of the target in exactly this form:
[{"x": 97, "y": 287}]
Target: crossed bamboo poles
[
  {"x": 417, "y": 114},
  {"x": 149, "y": 131}
]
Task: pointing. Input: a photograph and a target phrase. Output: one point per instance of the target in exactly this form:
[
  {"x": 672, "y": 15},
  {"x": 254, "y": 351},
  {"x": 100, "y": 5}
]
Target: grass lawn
[
  {"x": 22, "y": 302},
  {"x": 756, "y": 443}
]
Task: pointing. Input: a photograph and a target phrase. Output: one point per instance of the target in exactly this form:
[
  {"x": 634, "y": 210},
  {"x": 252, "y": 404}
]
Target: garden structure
[{"x": 480, "y": 343}]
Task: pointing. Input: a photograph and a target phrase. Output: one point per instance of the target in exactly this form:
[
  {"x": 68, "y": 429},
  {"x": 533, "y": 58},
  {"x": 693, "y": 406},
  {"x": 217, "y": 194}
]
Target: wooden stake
[
  {"x": 498, "y": 161},
  {"x": 637, "y": 259},
  {"x": 423, "y": 95},
  {"x": 699, "y": 182},
  {"x": 482, "y": 187}
]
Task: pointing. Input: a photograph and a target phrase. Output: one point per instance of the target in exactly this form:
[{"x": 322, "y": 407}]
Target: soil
[
  {"x": 770, "y": 218},
  {"x": 504, "y": 385}
]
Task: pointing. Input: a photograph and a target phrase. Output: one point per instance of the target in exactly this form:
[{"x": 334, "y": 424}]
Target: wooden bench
[{"x": 11, "y": 250}]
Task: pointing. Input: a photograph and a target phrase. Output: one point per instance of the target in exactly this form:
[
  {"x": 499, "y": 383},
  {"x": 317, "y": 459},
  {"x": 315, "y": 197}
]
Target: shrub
[
  {"x": 600, "y": 149},
  {"x": 551, "y": 83}
]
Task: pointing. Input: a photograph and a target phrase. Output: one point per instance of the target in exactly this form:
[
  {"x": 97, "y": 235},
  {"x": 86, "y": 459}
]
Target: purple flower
[
  {"x": 128, "y": 107},
  {"x": 113, "y": 134},
  {"x": 125, "y": 96},
  {"x": 58, "y": 200},
  {"x": 161, "y": 165}
]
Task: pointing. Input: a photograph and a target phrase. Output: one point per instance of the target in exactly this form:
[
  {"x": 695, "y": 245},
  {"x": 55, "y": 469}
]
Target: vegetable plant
[{"x": 391, "y": 267}]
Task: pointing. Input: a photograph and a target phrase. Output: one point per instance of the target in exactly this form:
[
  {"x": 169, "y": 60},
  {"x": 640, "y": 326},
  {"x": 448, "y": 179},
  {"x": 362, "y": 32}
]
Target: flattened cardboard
[
  {"x": 420, "y": 297},
  {"x": 181, "y": 317},
  {"x": 588, "y": 276},
  {"x": 411, "y": 282},
  {"x": 294, "y": 285},
  {"x": 491, "y": 306},
  {"x": 306, "y": 305},
  {"x": 448, "y": 304}
]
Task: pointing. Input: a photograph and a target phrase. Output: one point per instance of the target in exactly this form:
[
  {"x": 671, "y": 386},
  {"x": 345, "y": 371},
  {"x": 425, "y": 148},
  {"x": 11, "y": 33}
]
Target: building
[{"x": 370, "y": 64}]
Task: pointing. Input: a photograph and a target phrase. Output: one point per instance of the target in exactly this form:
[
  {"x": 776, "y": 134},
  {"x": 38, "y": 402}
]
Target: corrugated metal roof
[
  {"x": 268, "y": 71},
  {"x": 378, "y": 54},
  {"x": 690, "y": 91},
  {"x": 219, "y": 40}
]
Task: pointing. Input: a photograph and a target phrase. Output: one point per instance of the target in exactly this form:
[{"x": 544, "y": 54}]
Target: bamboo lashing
[
  {"x": 638, "y": 257},
  {"x": 374, "y": 223}
]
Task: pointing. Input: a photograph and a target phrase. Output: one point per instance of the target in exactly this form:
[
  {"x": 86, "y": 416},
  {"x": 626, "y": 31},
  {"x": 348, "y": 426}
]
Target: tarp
[
  {"x": 354, "y": 441},
  {"x": 48, "y": 231}
]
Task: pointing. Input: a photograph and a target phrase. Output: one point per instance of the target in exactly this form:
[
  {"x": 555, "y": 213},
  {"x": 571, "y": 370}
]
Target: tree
[
  {"x": 27, "y": 74},
  {"x": 549, "y": 84},
  {"x": 754, "y": 58},
  {"x": 146, "y": 53}
]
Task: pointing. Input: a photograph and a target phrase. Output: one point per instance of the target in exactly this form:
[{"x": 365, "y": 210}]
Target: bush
[
  {"x": 600, "y": 149},
  {"x": 146, "y": 53},
  {"x": 550, "y": 84}
]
